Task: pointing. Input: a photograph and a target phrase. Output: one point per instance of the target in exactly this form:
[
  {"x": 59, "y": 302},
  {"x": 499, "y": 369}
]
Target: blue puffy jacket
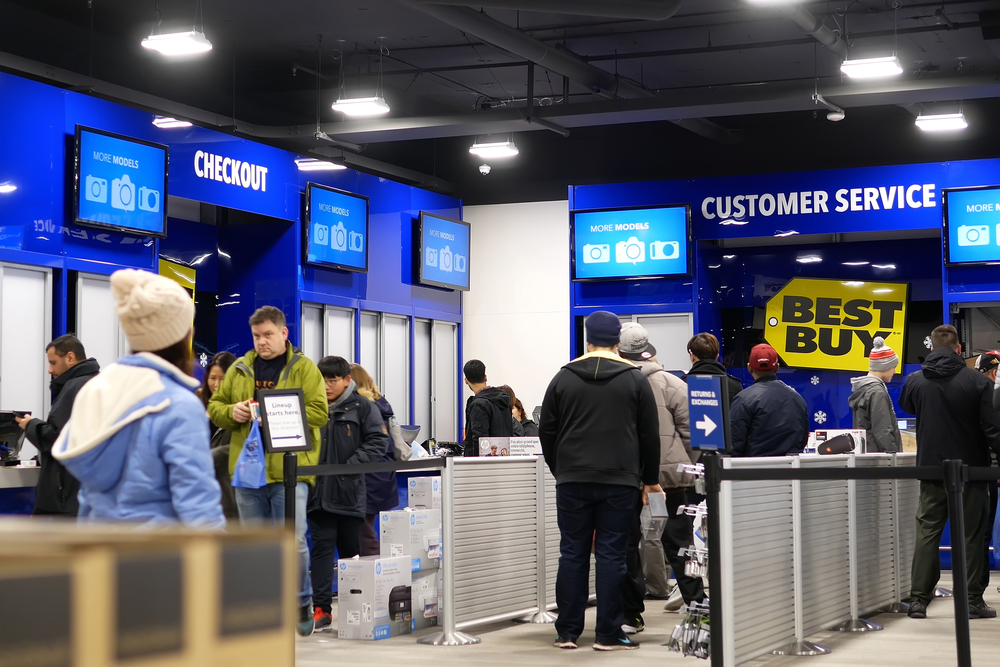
[
  {"x": 769, "y": 418},
  {"x": 138, "y": 442}
]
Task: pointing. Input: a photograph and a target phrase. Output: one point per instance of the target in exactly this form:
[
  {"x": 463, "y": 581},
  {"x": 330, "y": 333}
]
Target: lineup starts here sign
[
  {"x": 831, "y": 324},
  {"x": 284, "y": 421}
]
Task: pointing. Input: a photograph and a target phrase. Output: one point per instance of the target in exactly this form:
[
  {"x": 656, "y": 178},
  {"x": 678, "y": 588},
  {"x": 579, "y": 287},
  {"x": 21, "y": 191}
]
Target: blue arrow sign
[{"x": 705, "y": 410}]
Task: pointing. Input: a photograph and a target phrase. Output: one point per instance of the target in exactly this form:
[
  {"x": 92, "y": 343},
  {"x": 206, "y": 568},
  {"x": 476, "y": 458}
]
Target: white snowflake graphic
[
  {"x": 928, "y": 344},
  {"x": 820, "y": 417},
  {"x": 814, "y": 380},
  {"x": 203, "y": 360}
]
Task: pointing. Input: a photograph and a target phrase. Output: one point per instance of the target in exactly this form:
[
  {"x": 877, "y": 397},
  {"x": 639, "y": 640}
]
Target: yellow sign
[
  {"x": 832, "y": 323},
  {"x": 185, "y": 276}
]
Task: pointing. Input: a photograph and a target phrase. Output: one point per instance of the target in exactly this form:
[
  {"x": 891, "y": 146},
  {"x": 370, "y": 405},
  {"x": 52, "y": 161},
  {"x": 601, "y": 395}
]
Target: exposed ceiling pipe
[
  {"x": 644, "y": 10},
  {"x": 363, "y": 163},
  {"x": 813, "y": 25}
]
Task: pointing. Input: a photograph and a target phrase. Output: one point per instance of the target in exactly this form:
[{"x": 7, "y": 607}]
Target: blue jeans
[
  {"x": 584, "y": 509},
  {"x": 266, "y": 505}
]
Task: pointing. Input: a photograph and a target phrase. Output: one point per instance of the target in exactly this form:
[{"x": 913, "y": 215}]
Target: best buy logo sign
[{"x": 831, "y": 323}]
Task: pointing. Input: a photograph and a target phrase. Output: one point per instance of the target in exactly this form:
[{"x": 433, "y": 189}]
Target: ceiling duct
[
  {"x": 814, "y": 26},
  {"x": 643, "y": 10}
]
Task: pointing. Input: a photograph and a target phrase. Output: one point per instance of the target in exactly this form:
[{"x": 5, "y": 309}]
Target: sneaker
[
  {"x": 565, "y": 642},
  {"x": 919, "y": 610},
  {"x": 982, "y": 610},
  {"x": 321, "y": 619},
  {"x": 620, "y": 644},
  {"x": 305, "y": 624},
  {"x": 675, "y": 601},
  {"x": 634, "y": 626}
]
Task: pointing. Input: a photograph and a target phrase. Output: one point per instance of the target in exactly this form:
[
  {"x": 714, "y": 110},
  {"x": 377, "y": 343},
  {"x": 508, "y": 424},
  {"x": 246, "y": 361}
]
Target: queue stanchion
[
  {"x": 290, "y": 472},
  {"x": 954, "y": 482},
  {"x": 713, "y": 486}
]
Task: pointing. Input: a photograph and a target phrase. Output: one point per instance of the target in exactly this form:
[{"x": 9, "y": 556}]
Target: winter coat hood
[
  {"x": 860, "y": 384},
  {"x": 872, "y": 411},
  {"x": 497, "y": 397},
  {"x": 599, "y": 366},
  {"x": 86, "y": 368},
  {"x": 942, "y": 362}
]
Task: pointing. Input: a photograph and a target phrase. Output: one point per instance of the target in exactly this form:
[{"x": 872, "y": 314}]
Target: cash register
[{"x": 11, "y": 438}]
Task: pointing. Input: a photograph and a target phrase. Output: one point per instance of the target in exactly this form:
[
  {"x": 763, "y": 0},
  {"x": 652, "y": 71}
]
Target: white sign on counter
[
  {"x": 283, "y": 421},
  {"x": 489, "y": 447}
]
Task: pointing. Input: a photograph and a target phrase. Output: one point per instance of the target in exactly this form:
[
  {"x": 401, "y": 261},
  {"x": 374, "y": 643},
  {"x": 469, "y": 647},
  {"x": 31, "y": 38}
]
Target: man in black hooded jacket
[
  {"x": 955, "y": 420},
  {"x": 487, "y": 412},
  {"x": 70, "y": 370},
  {"x": 704, "y": 352}
]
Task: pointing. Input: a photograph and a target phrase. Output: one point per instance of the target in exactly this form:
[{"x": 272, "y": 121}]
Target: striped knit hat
[{"x": 882, "y": 358}]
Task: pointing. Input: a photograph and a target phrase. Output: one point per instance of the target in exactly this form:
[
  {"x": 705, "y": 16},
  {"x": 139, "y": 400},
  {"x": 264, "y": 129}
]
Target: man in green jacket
[{"x": 273, "y": 364}]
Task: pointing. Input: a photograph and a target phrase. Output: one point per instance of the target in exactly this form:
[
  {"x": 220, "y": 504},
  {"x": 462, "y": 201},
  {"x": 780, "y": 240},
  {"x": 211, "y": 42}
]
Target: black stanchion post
[
  {"x": 290, "y": 472},
  {"x": 954, "y": 483},
  {"x": 713, "y": 485}
]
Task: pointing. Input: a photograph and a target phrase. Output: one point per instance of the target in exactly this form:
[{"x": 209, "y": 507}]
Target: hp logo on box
[{"x": 378, "y": 568}]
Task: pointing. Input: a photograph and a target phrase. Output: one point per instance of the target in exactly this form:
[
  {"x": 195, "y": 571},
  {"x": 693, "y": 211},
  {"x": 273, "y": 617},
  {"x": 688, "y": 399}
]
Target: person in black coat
[
  {"x": 487, "y": 412},
  {"x": 355, "y": 434},
  {"x": 955, "y": 420},
  {"x": 56, "y": 493},
  {"x": 704, "y": 352},
  {"x": 768, "y": 418},
  {"x": 524, "y": 427}
]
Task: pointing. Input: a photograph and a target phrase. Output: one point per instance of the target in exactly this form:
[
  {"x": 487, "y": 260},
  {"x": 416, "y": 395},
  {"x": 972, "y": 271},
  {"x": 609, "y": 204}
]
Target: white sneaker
[{"x": 675, "y": 601}]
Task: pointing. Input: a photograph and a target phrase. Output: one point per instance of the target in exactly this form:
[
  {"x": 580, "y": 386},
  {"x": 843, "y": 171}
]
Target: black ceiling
[{"x": 748, "y": 69}]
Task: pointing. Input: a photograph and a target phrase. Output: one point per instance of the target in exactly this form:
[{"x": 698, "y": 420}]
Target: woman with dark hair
[
  {"x": 529, "y": 429},
  {"x": 214, "y": 374},
  {"x": 137, "y": 438}
]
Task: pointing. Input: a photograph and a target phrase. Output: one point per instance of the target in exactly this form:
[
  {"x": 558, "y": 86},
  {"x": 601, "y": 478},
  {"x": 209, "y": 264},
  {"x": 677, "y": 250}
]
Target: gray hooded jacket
[{"x": 873, "y": 412}]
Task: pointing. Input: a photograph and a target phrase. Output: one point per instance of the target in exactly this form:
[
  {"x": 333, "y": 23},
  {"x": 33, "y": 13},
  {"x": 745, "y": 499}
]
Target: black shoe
[
  {"x": 622, "y": 643},
  {"x": 565, "y": 642},
  {"x": 981, "y": 610},
  {"x": 919, "y": 610},
  {"x": 305, "y": 625},
  {"x": 633, "y": 626}
]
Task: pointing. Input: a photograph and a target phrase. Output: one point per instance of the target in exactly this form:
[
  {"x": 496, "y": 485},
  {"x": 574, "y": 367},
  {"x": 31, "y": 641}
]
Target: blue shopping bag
[{"x": 251, "y": 466}]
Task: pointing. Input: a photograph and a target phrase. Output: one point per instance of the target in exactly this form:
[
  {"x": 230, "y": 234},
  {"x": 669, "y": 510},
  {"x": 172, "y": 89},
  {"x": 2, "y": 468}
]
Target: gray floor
[{"x": 903, "y": 643}]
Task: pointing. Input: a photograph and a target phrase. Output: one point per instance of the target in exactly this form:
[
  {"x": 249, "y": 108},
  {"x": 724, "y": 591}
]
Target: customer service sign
[{"x": 831, "y": 324}]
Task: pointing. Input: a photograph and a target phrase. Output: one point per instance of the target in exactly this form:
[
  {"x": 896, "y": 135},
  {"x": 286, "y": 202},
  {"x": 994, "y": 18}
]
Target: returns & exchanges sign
[{"x": 831, "y": 323}]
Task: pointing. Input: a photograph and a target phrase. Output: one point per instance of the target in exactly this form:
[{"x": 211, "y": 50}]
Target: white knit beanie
[{"x": 154, "y": 311}]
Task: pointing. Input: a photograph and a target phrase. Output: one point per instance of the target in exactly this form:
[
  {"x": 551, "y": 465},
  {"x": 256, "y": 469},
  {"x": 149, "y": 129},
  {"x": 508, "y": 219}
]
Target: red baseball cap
[{"x": 763, "y": 358}]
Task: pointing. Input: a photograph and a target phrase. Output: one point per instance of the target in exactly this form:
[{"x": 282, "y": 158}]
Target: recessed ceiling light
[
  {"x": 7, "y": 188},
  {"x": 361, "y": 106},
  {"x": 855, "y": 263},
  {"x": 941, "y": 122},
  {"x": 808, "y": 259},
  {"x": 728, "y": 256},
  {"x": 310, "y": 164},
  {"x": 872, "y": 68},
  {"x": 494, "y": 149},
  {"x": 179, "y": 43},
  {"x": 883, "y": 266},
  {"x": 168, "y": 123}
]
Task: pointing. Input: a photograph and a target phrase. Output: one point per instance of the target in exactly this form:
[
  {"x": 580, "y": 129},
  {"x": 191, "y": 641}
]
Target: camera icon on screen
[
  {"x": 321, "y": 235},
  {"x": 338, "y": 237},
  {"x": 461, "y": 264},
  {"x": 123, "y": 193},
  {"x": 664, "y": 250},
  {"x": 973, "y": 235},
  {"x": 96, "y": 189},
  {"x": 446, "y": 259},
  {"x": 431, "y": 257},
  {"x": 596, "y": 253},
  {"x": 356, "y": 241},
  {"x": 149, "y": 200},
  {"x": 631, "y": 251}
]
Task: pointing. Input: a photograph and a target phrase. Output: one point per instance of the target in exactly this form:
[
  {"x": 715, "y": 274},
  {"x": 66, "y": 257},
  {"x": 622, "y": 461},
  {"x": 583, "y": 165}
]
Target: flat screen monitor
[
  {"x": 615, "y": 244},
  {"x": 336, "y": 229},
  {"x": 444, "y": 252},
  {"x": 120, "y": 183},
  {"x": 972, "y": 225}
]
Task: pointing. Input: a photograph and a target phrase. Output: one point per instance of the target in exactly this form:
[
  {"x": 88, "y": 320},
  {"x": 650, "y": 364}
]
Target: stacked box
[
  {"x": 374, "y": 598},
  {"x": 425, "y": 598},
  {"x": 412, "y": 533},
  {"x": 424, "y": 493}
]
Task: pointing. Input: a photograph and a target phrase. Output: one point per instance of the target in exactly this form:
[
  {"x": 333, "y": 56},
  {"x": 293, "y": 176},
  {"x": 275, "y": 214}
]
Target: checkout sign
[{"x": 831, "y": 323}]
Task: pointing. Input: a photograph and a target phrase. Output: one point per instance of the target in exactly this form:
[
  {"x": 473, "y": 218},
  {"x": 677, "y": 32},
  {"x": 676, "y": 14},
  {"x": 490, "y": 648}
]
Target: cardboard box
[
  {"x": 413, "y": 533},
  {"x": 374, "y": 598},
  {"x": 424, "y": 493},
  {"x": 425, "y": 600}
]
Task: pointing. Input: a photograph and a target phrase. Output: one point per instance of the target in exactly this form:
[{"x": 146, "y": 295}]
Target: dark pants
[
  {"x": 634, "y": 585},
  {"x": 331, "y": 531},
  {"x": 932, "y": 514},
  {"x": 992, "y": 509},
  {"x": 679, "y": 534},
  {"x": 369, "y": 540},
  {"x": 598, "y": 515}
]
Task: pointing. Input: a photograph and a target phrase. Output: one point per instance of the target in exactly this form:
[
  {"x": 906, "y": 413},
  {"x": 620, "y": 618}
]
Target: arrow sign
[
  {"x": 299, "y": 437},
  {"x": 706, "y": 425},
  {"x": 705, "y": 407}
]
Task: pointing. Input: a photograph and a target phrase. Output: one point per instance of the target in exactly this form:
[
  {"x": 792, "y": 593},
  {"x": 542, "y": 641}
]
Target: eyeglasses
[{"x": 330, "y": 382}]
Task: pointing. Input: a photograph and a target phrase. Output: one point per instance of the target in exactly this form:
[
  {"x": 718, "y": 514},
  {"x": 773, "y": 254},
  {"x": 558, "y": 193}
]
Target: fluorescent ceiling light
[
  {"x": 883, "y": 266},
  {"x": 168, "y": 123},
  {"x": 728, "y": 256},
  {"x": 361, "y": 106},
  {"x": 872, "y": 68},
  {"x": 780, "y": 234},
  {"x": 494, "y": 149},
  {"x": 941, "y": 122},
  {"x": 309, "y": 164},
  {"x": 178, "y": 43},
  {"x": 855, "y": 263},
  {"x": 808, "y": 259},
  {"x": 7, "y": 188}
]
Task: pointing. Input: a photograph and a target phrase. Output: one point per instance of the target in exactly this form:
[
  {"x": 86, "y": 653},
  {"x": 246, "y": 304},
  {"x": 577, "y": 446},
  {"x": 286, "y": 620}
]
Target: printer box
[
  {"x": 424, "y": 493},
  {"x": 425, "y": 592},
  {"x": 415, "y": 533},
  {"x": 373, "y": 598}
]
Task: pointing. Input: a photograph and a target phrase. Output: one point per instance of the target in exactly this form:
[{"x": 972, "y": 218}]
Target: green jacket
[{"x": 239, "y": 385}]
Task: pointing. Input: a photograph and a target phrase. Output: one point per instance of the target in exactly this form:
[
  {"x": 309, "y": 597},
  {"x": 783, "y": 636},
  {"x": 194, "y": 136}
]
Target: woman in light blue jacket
[{"x": 138, "y": 439}]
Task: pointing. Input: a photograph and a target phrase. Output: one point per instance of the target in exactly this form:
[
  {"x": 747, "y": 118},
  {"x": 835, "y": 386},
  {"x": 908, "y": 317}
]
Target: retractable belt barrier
[{"x": 775, "y": 577}]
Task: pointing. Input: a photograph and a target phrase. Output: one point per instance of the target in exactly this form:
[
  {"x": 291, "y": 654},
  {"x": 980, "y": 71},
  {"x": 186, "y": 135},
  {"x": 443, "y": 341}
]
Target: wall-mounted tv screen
[
  {"x": 336, "y": 229},
  {"x": 444, "y": 252},
  {"x": 614, "y": 244},
  {"x": 972, "y": 225},
  {"x": 120, "y": 183}
]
